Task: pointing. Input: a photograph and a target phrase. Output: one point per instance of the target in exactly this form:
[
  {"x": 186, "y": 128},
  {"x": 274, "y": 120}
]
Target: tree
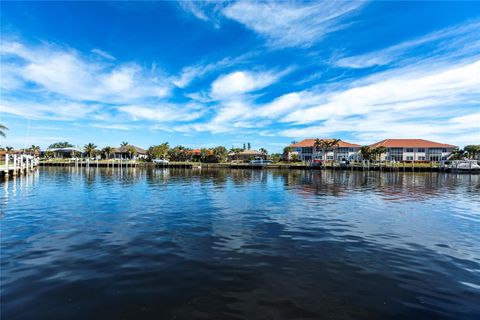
[
  {"x": 472, "y": 150},
  {"x": 9, "y": 148},
  {"x": 2, "y": 130},
  {"x": 236, "y": 152},
  {"x": 159, "y": 151},
  {"x": 366, "y": 152},
  {"x": 457, "y": 154},
  {"x": 123, "y": 144},
  {"x": 329, "y": 145},
  {"x": 180, "y": 153},
  {"x": 90, "y": 149},
  {"x": 60, "y": 145},
  {"x": 244, "y": 147},
  {"x": 107, "y": 151},
  {"x": 131, "y": 151},
  {"x": 220, "y": 153},
  {"x": 377, "y": 152},
  {"x": 34, "y": 150},
  {"x": 248, "y": 145},
  {"x": 317, "y": 144},
  {"x": 264, "y": 152},
  {"x": 204, "y": 153},
  {"x": 275, "y": 157},
  {"x": 295, "y": 158}
]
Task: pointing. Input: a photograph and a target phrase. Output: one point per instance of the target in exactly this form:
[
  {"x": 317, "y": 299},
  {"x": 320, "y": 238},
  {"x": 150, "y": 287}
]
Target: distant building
[
  {"x": 414, "y": 150},
  {"x": 307, "y": 151},
  {"x": 123, "y": 152},
  {"x": 64, "y": 152},
  {"x": 246, "y": 155}
]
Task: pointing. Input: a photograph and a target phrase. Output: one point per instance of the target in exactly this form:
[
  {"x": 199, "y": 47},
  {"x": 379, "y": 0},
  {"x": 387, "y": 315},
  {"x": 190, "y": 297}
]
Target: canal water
[{"x": 239, "y": 244}]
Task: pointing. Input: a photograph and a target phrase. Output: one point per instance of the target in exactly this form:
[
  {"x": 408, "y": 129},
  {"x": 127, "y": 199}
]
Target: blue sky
[{"x": 203, "y": 74}]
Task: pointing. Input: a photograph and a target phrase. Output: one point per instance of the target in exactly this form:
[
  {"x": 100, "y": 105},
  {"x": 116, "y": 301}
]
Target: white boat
[{"x": 465, "y": 165}]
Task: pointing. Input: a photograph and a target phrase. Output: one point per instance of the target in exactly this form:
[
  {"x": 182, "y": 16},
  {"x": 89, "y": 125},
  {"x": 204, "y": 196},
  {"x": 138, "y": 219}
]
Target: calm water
[{"x": 213, "y": 244}]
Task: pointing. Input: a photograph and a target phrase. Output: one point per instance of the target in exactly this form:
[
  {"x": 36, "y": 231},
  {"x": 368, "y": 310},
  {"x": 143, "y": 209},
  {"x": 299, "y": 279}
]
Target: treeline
[{"x": 162, "y": 151}]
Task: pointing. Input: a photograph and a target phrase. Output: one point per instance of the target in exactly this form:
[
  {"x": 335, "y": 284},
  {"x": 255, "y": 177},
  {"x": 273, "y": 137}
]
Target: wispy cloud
[
  {"x": 103, "y": 54},
  {"x": 164, "y": 113},
  {"x": 454, "y": 42},
  {"x": 284, "y": 23}
]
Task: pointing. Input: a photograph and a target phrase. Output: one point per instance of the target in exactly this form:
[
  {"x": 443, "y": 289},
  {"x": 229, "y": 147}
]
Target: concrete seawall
[{"x": 196, "y": 165}]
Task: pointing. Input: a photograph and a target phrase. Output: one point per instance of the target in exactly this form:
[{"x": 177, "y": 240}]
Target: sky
[{"x": 203, "y": 74}]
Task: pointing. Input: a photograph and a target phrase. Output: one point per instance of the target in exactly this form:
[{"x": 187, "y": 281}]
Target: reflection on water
[{"x": 104, "y": 243}]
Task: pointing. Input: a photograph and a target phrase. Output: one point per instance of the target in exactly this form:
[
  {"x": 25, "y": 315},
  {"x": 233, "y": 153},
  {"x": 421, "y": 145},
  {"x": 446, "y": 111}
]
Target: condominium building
[
  {"x": 307, "y": 151},
  {"x": 414, "y": 150}
]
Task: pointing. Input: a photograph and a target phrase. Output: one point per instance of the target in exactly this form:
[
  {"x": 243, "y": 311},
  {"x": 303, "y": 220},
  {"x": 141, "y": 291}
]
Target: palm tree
[
  {"x": 472, "y": 150},
  {"x": 317, "y": 144},
  {"x": 35, "y": 150},
  {"x": 90, "y": 149},
  {"x": 131, "y": 151},
  {"x": 334, "y": 145},
  {"x": 9, "y": 148},
  {"x": 366, "y": 152},
  {"x": 107, "y": 151},
  {"x": 2, "y": 130},
  {"x": 264, "y": 152},
  {"x": 457, "y": 154},
  {"x": 378, "y": 151},
  {"x": 124, "y": 144},
  {"x": 236, "y": 152}
]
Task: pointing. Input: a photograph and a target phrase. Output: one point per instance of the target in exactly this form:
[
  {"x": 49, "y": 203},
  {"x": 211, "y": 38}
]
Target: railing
[{"x": 18, "y": 162}]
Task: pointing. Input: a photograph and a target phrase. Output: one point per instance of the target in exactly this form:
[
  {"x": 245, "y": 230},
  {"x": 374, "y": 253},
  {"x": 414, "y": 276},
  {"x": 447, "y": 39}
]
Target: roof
[
  {"x": 197, "y": 152},
  {"x": 66, "y": 149},
  {"x": 405, "y": 143},
  {"x": 305, "y": 143},
  {"x": 124, "y": 149},
  {"x": 246, "y": 153}
]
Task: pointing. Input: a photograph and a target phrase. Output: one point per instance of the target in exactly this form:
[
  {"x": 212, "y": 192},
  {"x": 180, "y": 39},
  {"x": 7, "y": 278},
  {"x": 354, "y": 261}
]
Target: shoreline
[{"x": 404, "y": 167}]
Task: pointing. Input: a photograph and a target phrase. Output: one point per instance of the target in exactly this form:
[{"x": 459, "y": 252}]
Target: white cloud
[
  {"x": 236, "y": 83},
  {"x": 66, "y": 73},
  {"x": 424, "y": 88},
  {"x": 291, "y": 23}
]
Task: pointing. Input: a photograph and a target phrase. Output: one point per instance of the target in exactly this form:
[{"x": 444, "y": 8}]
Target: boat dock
[{"x": 17, "y": 164}]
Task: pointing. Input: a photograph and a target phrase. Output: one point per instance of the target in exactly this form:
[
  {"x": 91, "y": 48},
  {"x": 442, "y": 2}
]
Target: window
[
  {"x": 421, "y": 158},
  {"x": 421, "y": 149},
  {"x": 329, "y": 157},
  {"x": 444, "y": 150},
  {"x": 409, "y": 149},
  {"x": 409, "y": 158}
]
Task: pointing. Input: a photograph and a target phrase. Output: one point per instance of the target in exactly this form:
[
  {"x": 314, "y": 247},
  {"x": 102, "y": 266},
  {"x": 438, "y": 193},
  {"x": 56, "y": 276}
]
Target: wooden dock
[{"x": 17, "y": 164}]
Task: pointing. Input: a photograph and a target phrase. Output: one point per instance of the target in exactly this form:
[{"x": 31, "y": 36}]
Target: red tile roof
[
  {"x": 305, "y": 143},
  {"x": 405, "y": 143}
]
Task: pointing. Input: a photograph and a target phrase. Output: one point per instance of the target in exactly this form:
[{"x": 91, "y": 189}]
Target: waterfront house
[
  {"x": 246, "y": 155},
  {"x": 414, "y": 150},
  {"x": 307, "y": 151},
  {"x": 124, "y": 152},
  {"x": 63, "y": 153}
]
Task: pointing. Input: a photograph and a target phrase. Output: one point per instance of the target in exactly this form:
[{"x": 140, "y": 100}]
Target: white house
[
  {"x": 307, "y": 151},
  {"x": 414, "y": 150}
]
